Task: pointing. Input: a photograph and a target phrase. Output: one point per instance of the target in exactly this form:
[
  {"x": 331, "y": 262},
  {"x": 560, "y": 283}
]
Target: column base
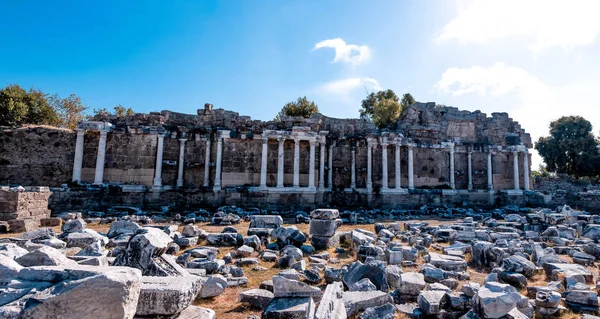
[
  {"x": 217, "y": 188},
  {"x": 157, "y": 188},
  {"x": 514, "y": 192},
  {"x": 394, "y": 191}
]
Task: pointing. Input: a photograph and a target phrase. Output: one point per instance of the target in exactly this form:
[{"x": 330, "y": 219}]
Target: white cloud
[
  {"x": 545, "y": 23},
  {"x": 347, "y": 53},
  {"x": 346, "y": 86},
  {"x": 536, "y": 103}
]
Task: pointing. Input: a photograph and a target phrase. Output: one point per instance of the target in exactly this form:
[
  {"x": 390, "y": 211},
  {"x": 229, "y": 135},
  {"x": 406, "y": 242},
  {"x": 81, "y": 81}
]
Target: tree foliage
[
  {"x": 385, "y": 112},
  {"x": 301, "y": 107},
  {"x": 384, "y": 107},
  {"x": 368, "y": 104},
  {"x": 18, "y": 106},
  {"x": 70, "y": 110},
  {"x": 571, "y": 147},
  {"x": 119, "y": 111}
]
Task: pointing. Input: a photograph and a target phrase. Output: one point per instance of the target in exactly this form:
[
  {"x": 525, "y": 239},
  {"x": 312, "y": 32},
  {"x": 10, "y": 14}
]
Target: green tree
[
  {"x": 385, "y": 112},
  {"x": 120, "y": 110},
  {"x": 367, "y": 108},
  {"x": 368, "y": 104},
  {"x": 70, "y": 110},
  {"x": 571, "y": 147},
  {"x": 407, "y": 99},
  {"x": 301, "y": 107},
  {"x": 18, "y": 106}
]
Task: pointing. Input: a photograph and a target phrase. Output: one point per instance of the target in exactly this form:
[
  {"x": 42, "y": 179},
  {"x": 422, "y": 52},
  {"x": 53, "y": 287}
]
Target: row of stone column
[
  {"x": 280, "y": 162},
  {"x": 157, "y": 184}
]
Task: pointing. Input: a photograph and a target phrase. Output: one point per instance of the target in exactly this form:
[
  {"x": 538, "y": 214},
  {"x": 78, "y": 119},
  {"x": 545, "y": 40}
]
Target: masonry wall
[
  {"x": 36, "y": 155},
  {"x": 24, "y": 205}
]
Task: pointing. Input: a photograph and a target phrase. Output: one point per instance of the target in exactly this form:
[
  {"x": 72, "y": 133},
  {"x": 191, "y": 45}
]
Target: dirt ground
[{"x": 226, "y": 305}]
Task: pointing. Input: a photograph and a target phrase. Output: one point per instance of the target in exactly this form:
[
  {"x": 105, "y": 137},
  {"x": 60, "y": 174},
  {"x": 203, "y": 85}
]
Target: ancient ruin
[
  {"x": 168, "y": 215},
  {"x": 436, "y": 154}
]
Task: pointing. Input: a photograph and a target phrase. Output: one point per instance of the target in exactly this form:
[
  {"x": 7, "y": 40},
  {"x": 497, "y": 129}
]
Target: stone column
[
  {"x": 220, "y": 136},
  {"x": 353, "y": 175},
  {"x": 181, "y": 161},
  {"x": 100, "y": 158},
  {"x": 411, "y": 178},
  {"x": 78, "y": 161},
  {"x": 516, "y": 169},
  {"x": 207, "y": 163},
  {"x": 397, "y": 166},
  {"x": 280, "y": 158},
  {"x": 384, "y": 168},
  {"x": 263, "y": 163},
  {"x": 296, "y": 162},
  {"x": 311, "y": 166},
  {"x": 526, "y": 170},
  {"x": 470, "y": 170},
  {"x": 322, "y": 166},
  {"x": 159, "y": 160},
  {"x": 489, "y": 171},
  {"x": 369, "y": 166},
  {"x": 330, "y": 175},
  {"x": 452, "y": 166}
]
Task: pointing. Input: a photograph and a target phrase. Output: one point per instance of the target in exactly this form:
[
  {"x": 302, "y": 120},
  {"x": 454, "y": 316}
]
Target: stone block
[
  {"x": 290, "y": 308},
  {"x": 324, "y": 228},
  {"x": 51, "y": 222},
  {"x": 167, "y": 295}
]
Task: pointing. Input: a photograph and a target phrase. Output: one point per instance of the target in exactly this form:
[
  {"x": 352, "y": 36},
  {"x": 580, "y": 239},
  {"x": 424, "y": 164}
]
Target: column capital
[
  {"x": 384, "y": 144},
  {"x": 183, "y": 140},
  {"x": 223, "y": 134},
  {"x": 80, "y": 131},
  {"x": 313, "y": 142},
  {"x": 281, "y": 139},
  {"x": 265, "y": 139}
]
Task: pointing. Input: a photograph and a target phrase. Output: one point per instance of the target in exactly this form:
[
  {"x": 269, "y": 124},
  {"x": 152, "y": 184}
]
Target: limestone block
[
  {"x": 257, "y": 298},
  {"x": 323, "y": 213},
  {"x": 9, "y": 268},
  {"x": 288, "y": 288},
  {"x": 332, "y": 303},
  {"x": 167, "y": 295},
  {"x": 45, "y": 256},
  {"x": 266, "y": 221},
  {"x": 431, "y": 302},
  {"x": 321, "y": 227},
  {"x": 12, "y": 251},
  {"x": 325, "y": 242},
  {"x": 213, "y": 286},
  {"x": 195, "y": 312},
  {"x": 357, "y": 301},
  {"x": 387, "y": 311},
  {"x": 290, "y": 308},
  {"x": 50, "y": 222}
]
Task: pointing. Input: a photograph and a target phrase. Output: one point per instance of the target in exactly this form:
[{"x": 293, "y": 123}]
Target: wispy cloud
[
  {"x": 346, "y": 86},
  {"x": 536, "y": 103},
  {"x": 351, "y": 54},
  {"x": 545, "y": 23}
]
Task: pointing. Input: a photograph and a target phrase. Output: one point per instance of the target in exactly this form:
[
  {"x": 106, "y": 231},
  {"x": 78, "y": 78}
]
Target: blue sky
[{"x": 536, "y": 60}]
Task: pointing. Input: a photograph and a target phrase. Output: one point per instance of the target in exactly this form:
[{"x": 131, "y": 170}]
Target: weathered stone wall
[
  {"x": 36, "y": 155},
  {"x": 24, "y": 210}
]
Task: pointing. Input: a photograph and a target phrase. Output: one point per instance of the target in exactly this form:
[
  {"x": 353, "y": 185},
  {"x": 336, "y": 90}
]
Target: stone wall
[
  {"x": 36, "y": 155},
  {"x": 24, "y": 210}
]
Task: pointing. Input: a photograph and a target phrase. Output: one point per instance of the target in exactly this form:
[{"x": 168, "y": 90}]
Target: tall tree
[
  {"x": 385, "y": 112},
  {"x": 368, "y": 104},
  {"x": 70, "y": 110},
  {"x": 367, "y": 108},
  {"x": 571, "y": 147},
  {"x": 301, "y": 107},
  {"x": 18, "y": 106},
  {"x": 407, "y": 99}
]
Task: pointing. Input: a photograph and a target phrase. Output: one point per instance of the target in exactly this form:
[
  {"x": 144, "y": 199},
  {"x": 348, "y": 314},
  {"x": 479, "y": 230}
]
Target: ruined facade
[{"x": 218, "y": 151}]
